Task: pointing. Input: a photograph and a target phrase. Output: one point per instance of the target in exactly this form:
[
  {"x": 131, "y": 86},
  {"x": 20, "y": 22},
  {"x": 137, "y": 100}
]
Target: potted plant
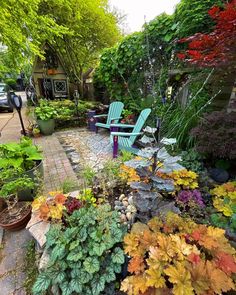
[
  {"x": 17, "y": 214},
  {"x": 45, "y": 115},
  {"x": 19, "y": 159},
  {"x": 128, "y": 117},
  {"x": 36, "y": 132}
]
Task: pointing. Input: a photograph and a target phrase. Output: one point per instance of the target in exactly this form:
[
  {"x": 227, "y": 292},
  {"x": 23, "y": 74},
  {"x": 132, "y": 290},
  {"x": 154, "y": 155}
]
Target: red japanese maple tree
[{"x": 217, "y": 48}]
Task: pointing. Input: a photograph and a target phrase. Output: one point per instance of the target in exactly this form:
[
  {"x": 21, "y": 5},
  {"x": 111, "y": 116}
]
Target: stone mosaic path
[{"x": 86, "y": 148}]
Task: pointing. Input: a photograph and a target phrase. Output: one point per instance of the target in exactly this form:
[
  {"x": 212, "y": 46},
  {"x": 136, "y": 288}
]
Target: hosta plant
[
  {"x": 178, "y": 257},
  {"x": 84, "y": 257},
  {"x": 224, "y": 201}
]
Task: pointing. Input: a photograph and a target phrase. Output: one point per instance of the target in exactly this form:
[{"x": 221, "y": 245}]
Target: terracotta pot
[{"x": 19, "y": 224}]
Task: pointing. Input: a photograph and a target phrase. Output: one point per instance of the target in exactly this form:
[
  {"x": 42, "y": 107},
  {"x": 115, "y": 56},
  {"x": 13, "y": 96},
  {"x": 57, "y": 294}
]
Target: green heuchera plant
[
  {"x": 20, "y": 156},
  {"x": 192, "y": 160},
  {"x": 85, "y": 256},
  {"x": 45, "y": 111}
]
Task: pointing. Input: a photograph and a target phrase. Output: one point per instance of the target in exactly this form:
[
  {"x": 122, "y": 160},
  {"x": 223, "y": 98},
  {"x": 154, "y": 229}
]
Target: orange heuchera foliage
[
  {"x": 51, "y": 207},
  {"x": 129, "y": 174},
  {"x": 188, "y": 259},
  {"x": 60, "y": 199}
]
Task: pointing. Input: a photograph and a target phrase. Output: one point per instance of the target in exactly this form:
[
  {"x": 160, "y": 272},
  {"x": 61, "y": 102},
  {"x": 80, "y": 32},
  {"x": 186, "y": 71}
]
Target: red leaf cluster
[{"x": 218, "y": 47}]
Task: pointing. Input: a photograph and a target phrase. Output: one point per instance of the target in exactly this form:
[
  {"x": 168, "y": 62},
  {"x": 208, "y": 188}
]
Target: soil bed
[{"x": 22, "y": 208}]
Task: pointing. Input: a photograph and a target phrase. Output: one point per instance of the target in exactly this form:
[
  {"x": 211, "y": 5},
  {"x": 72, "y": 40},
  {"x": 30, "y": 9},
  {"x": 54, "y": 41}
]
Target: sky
[{"x": 137, "y": 10}]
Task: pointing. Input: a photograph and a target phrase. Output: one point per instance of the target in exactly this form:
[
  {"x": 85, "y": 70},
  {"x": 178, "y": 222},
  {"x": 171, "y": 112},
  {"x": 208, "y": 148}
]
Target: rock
[
  {"x": 75, "y": 160},
  {"x": 131, "y": 209},
  {"x": 118, "y": 203},
  {"x": 125, "y": 203},
  {"x": 130, "y": 200},
  {"x": 119, "y": 208},
  {"x": 123, "y": 218},
  {"x": 44, "y": 260},
  {"x": 74, "y": 194},
  {"x": 219, "y": 175},
  {"x": 69, "y": 149},
  {"x": 121, "y": 197},
  {"x": 38, "y": 231},
  {"x": 129, "y": 215}
]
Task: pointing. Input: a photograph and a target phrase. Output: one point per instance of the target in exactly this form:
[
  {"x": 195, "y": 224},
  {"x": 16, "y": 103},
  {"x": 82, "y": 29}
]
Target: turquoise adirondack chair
[
  {"x": 125, "y": 140},
  {"x": 113, "y": 116}
]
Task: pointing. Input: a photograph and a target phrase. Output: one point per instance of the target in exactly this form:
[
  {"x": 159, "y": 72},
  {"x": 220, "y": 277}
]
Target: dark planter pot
[
  {"x": 46, "y": 127},
  {"x": 19, "y": 224},
  {"x": 28, "y": 195}
]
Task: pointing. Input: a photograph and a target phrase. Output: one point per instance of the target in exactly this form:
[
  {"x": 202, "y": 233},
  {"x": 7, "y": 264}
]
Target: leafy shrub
[
  {"x": 85, "y": 257},
  {"x": 216, "y": 135},
  {"x": 20, "y": 156},
  {"x": 192, "y": 160},
  {"x": 88, "y": 174},
  {"x": 178, "y": 119},
  {"x": 69, "y": 185},
  {"x": 178, "y": 256},
  {"x": 224, "y": 201},
  {"x": 45, "y": 111}
]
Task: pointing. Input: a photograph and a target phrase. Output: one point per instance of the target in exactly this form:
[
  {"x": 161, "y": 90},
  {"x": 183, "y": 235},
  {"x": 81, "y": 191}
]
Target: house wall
[{"x": 39, "y": 73}]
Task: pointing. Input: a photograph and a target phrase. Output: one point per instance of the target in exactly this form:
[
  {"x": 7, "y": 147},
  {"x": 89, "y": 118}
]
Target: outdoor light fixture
[{"x": 16, "y": 101}]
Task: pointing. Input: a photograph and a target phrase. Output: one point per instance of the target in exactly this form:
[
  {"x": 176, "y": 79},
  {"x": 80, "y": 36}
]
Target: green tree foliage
[
  {"x": 78, "y": 29},
  {"x": 192, "y": 16},
  {"x": 91, "y": 28},
  {"x": 23, "y": 28},
  {"x": 125, "y": 69}
]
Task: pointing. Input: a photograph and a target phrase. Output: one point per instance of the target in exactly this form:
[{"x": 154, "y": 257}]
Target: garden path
[
  {"x": 57, "y": 168},
  {"x": 87, "y": 148}
]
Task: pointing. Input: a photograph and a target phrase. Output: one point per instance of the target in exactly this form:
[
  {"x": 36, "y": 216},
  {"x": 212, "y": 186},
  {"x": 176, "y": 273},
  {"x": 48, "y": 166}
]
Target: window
[{"x": 60, "y": 86}]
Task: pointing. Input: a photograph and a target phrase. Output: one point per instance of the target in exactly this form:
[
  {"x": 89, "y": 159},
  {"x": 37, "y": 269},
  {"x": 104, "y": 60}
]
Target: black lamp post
[{"x": 16, "y": 101}]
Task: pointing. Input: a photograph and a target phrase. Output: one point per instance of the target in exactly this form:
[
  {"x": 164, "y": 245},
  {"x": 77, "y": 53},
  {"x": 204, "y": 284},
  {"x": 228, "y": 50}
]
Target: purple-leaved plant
[{"x": 190, "y": 198}]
